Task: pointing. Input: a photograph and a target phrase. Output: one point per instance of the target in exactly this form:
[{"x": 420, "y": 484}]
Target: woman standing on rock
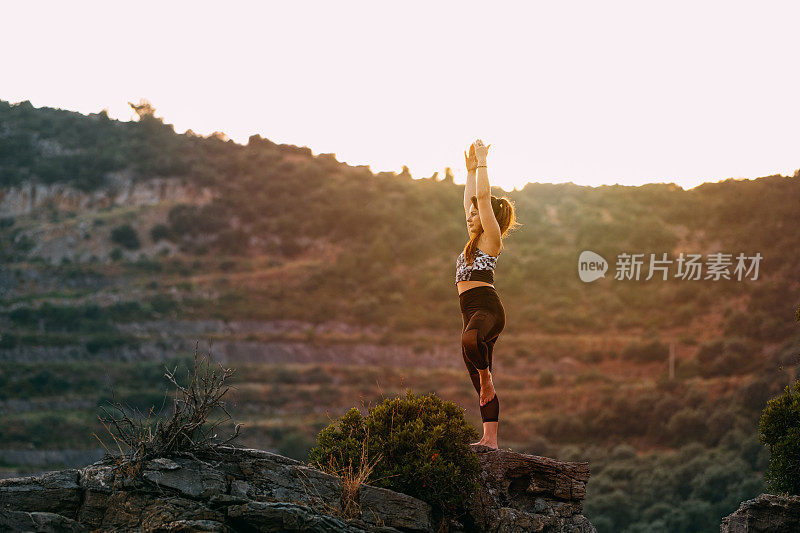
[{"x": 488, "y": 221}]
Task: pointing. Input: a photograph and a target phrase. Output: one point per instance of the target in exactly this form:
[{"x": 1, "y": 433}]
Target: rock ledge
[
  {"x": 765, "y": 513},
  {"x": 242, "y": 489}
]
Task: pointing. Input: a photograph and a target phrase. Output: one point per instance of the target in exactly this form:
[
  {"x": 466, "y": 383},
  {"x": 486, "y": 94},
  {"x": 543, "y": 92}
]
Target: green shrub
[
  {"x": 146, "y": 265},
  {"x": 757, "y": 325},
  {"x": 779, "y": 430},
  {"x": 107, "y": 342},
  {"x": 159, "y": 232},
  {"x": 24, "y": 244},
  {"x": 7, "y": 340},
  {"x": 419, "y": 445},
  {"x": 70, "y": 319},
  {"x": 687, "y": 425},
  {"x": 124, "y": 311},
  {"x": 125, "y": 235},
  {"x": 163, "y": 304},
  {"x": 47, "y": 382},
  {"x": 727, "y": 357}
]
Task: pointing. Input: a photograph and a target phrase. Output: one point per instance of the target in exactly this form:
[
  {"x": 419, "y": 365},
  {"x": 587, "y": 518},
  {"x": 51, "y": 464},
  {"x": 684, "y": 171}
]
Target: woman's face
[{"x": 473, "y": 220}]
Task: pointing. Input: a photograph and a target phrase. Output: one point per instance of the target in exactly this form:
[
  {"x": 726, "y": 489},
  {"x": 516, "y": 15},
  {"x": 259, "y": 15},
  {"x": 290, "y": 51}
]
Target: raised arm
[
  {"x": 470, "y": 189},
  {"x": 484, "y": 193}
]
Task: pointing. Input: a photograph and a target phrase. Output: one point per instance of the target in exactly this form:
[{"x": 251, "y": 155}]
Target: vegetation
[
  {"x": 36, "y": 325},
  {"x": 277, "y": 200},
  {"x": 419, "y": 445},
  {"x": 185, "y": 430},
  {"x": 689, "y": 489},
  {"x": 288, "y": 233},
  {"x": 779, "y": 430},
  {"x": 159, "y": 232},
  {"x": 125, "y": 235}
]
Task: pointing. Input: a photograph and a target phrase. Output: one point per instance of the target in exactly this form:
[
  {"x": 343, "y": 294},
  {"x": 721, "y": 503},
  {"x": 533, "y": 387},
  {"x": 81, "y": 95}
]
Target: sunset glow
[{"x": 593, "y": 93}]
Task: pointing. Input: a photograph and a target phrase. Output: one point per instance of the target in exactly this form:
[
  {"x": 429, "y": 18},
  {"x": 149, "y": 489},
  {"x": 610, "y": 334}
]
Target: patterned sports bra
[{"x": 482, "y": 268}]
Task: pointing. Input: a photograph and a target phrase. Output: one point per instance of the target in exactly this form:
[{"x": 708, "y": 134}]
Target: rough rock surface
[
  {"x": 766, "y": 513},
  {"x": 521, "y": 492},
  {"x": 120, "y": 189},
  {"x": 240, "y": 489}
]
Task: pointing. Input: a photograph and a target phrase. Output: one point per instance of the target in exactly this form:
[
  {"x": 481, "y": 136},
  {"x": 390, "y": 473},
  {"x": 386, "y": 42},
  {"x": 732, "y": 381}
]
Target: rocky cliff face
[
  {"x": 768, "y": 513},
  {"x": 56, "y": 221},
  {"x": 121, "y": 190},
  {"x": 253, "y": 490}
]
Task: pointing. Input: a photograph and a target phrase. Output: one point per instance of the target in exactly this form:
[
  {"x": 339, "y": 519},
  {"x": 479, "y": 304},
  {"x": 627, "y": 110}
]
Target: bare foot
[
  {"x": 490, "y": 443},
  {"x": 485, "y": 443},
  {"x": 487, "y": 390}
]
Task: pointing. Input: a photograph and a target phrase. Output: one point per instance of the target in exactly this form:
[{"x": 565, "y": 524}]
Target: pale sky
[{"x": 589, "y": 92}]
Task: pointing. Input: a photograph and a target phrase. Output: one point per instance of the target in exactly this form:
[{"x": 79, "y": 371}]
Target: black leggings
[{"x": 484, "y": 318}]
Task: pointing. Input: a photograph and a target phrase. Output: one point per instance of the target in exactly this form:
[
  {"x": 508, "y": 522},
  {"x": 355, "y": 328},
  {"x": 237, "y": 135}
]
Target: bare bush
[{"x": 185, "y": 431}]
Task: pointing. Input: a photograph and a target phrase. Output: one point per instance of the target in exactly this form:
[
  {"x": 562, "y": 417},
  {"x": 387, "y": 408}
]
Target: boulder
[{"x": 766, "y": 513}]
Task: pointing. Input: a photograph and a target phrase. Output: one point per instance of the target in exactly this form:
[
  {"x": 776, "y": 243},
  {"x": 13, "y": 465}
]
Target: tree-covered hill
[{"x": 349, "y": 268}]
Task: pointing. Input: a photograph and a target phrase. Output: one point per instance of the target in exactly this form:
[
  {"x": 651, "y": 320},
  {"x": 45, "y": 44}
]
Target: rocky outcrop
[
  {"x": 521, "y": 492},
  {"x": 121, "y": 189},
  {"x": 766, "y": 513},
  {"x": 239, "y": 489}
]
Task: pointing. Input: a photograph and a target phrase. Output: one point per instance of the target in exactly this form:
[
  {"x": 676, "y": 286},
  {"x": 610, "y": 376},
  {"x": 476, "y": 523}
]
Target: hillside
[{"x": 328, "y": 285}]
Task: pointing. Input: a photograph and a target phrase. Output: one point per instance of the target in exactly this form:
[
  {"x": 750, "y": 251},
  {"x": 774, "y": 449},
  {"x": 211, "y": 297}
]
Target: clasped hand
[{"x": 477, "y": 155}]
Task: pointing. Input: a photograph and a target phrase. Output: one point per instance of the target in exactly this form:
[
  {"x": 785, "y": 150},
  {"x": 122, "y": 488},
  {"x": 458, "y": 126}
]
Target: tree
[
  {"x": 779, "y": 430},
  {"x": 125, "y": 235},
  {"x": 143, "y": 108},
  {"x": 448, "y": 175}
]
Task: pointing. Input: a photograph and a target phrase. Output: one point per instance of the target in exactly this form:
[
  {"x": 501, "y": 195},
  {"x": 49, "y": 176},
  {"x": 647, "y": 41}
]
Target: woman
[{"x": 488, "y": 221}]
